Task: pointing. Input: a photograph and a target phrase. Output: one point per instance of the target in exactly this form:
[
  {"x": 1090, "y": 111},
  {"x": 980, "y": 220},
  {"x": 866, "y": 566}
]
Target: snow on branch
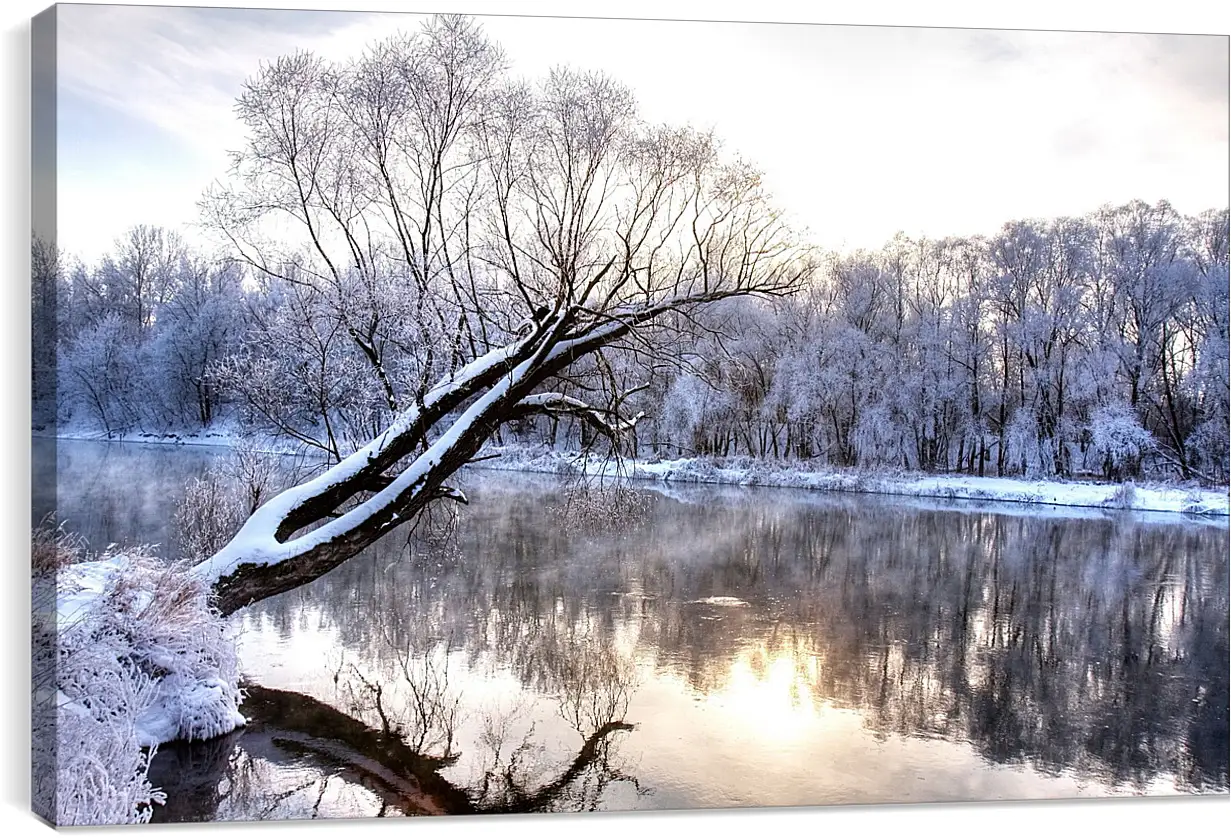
[{"x": 604, "y": 420}]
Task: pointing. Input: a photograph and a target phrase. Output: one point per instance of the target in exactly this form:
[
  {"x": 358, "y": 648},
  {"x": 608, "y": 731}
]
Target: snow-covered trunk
[
  {"x": 263, "y": 559},
  {"x": 267, "y": 557}
]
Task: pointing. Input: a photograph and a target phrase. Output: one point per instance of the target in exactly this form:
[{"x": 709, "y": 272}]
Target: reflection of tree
[
  {"x": 414, "y": 702},
  {"x": 236, "y": 776},
  {"x": 393, "y": 733},
  {"x": 592, "y": 685},
  {"x": 411, "y": 697},
  {"x": 1096, "y": 646}
]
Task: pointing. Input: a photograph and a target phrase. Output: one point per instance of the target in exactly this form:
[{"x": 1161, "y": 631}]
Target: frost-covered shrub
[
  {"x": 1119, "y": 440},
  {"x": 698, "y": 469},
  {"x": 1124, "y": 496},
  {"x": 101, "y": 771},
  {"x": 216, "y": 504},
  {"x": 140, "y": 659},
  {"x": 256, "y": 473},
  {"x": 1210, "y": 450},
  {"x": 598, "y": 507},
  {"x": 206, "y": 518},
  {"x": 1025, "y": 452},
  {"x": 877, "y": 438}
]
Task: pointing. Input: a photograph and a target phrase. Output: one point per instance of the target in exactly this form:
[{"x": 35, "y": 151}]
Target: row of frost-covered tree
[{"x": 1094, "y": 345}]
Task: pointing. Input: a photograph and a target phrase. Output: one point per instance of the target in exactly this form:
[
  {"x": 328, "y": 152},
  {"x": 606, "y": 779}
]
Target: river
[{"x": 717, "y": 647}]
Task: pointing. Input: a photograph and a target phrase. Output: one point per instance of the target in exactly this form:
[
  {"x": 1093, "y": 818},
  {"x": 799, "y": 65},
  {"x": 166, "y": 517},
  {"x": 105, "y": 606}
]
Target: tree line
[
  {"x": 1066, "y": 347},
  {"x": 395, "y": 217}
]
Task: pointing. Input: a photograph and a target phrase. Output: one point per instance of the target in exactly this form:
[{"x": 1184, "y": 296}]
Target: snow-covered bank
[
  {"x": 223, "y": 437},
  {"x": 745, "y": 471},
  {"x": 140, "y": 660}
]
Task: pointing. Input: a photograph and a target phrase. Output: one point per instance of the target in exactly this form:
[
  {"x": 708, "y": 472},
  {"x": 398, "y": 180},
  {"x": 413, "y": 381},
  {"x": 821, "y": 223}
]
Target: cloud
[
  {"x": 861, "y": 130},
  {"x": 991, "y": 47},
  {"x": 1190, "y": 74},
  {"x": 181, "y": 69}
]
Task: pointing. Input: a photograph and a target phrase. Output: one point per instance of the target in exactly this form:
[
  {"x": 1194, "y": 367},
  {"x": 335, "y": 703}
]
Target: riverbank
[
  {"x": 747, "y": 471},
  {"x": 128, "y": 654}
]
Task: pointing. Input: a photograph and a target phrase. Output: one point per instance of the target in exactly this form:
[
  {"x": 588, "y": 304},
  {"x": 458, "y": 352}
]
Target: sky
[{"x": 861, "y": 131}]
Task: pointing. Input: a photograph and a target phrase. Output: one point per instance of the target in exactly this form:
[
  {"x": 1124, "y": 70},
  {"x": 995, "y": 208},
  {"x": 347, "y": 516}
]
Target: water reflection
[
  {"x": 303, "y": 757},
  {"x": 1095, "y": 646},
  {"x": 768, "y": 648}
]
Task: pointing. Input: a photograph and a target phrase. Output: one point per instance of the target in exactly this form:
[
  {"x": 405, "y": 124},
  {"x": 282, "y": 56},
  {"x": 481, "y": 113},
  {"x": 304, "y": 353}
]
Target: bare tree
[
  {"x": 555, "y": 226},
  {"x": 143, "y": 274}
]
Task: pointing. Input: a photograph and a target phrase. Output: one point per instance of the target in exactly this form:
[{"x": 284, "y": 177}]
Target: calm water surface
[{"x": 733, "y": 648}]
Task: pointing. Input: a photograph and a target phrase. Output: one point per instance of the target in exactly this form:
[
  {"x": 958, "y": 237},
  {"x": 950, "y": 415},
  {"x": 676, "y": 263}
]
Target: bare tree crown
[{"x": 474, "y": 236}]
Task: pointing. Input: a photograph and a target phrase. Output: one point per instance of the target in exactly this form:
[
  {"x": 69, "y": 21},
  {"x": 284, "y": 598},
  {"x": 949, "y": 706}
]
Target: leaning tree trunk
[{"x": 309, "y": 529}]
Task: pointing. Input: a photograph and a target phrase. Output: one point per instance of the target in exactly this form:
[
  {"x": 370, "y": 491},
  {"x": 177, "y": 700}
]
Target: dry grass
[{"x": 51, "y": 548}]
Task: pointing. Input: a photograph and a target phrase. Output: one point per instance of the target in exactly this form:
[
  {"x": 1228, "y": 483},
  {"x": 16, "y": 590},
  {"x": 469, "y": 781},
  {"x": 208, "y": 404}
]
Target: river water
[{"x": 714, "y": 647}]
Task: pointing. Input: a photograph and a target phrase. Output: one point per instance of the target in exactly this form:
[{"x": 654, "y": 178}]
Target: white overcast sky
[{"x": 861, "y": 131}]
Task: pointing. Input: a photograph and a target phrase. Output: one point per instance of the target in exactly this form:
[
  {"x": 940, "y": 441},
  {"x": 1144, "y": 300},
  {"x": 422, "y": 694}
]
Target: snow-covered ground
[
  {"x": 133, "y": 657},
  {"x": 745, "y": 471},
  {"x": 158, "y": 619},
  {"x": 222, "y": 436}
]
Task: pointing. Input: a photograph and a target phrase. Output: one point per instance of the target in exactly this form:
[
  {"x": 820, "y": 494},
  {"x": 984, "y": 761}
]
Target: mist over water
[{"x": 765, "y": 646}]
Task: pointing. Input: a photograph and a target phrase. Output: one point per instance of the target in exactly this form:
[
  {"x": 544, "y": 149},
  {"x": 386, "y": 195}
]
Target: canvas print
[{"x": 452, "y": 415}]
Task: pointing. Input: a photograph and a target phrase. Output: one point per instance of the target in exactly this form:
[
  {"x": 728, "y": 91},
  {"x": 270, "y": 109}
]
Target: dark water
[{"x": 734, "y": 648}]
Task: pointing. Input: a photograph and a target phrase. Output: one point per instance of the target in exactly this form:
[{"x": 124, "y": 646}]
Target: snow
[
  {"x": 222, "y": 435},
  {"x": 721, "y": 601},
  {"x": 745, "y": 471},
  {"x": 81, "y": 585},
  {"x": 127, "y": 656},
  {"x": 189, "y": 707},
  {"x": 1159, "y": 498},
  {"x": 155, "y": 618}
]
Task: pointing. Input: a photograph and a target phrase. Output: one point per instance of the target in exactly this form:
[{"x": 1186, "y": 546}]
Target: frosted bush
[
  {"x": 1210, "y": 450},
  {"x": 699, "y": 469},
  {"x": 255, "y": 473},
  {"x": 216, "y": 504},
  {"x": 877, "y": 438},
  {"x": 207, "y": 517},
  {"x": 1119, "y": 440},
  {"x": 140, "y": 659},
  {"x": 1025, "y": 453},
  {"x": 1124, "y": 496},
  {"x": 101, "y": 771}
]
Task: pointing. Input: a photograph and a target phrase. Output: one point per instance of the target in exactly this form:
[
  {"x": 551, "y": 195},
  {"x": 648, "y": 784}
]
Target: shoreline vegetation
[
  {"x": 1146, "y": 496},
  {"x": 128, "y": 654}
]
